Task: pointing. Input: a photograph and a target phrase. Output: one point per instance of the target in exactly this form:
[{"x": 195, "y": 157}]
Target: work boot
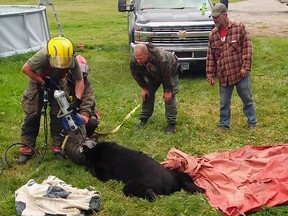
[
  {"x": 59, "y": 156},
  {"x": 141, "y": 123},
  {"x": 252, "y": 127},
  {"x": 171, "y": 128},
  {"x": 23, "y": 158},
  {"x": 221, "y": 129}
]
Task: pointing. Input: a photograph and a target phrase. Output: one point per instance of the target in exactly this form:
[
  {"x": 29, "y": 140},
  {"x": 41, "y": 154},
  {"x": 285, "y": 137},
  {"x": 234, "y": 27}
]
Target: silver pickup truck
[{"x": 179, "y": 26}]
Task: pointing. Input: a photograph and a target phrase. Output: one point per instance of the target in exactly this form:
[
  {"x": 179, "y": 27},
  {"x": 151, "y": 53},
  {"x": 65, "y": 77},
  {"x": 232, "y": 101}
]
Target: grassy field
[{"x": 103, "y": 30}]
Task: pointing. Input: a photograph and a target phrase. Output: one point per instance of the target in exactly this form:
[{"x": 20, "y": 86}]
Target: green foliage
[{"x": 103, "y": 32}]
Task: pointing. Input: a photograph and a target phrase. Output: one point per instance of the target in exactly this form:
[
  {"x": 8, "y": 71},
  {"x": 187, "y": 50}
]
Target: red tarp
[{"x": 238, "y": 181}]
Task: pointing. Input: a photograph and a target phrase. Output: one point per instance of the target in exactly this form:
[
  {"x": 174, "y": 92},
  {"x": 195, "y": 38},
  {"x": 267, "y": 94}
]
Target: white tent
[{"x": 22, "y": 29}]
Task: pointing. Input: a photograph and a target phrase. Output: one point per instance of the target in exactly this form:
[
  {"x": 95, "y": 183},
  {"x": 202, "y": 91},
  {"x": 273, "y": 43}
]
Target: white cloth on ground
[{"x": 54, "y": 196}]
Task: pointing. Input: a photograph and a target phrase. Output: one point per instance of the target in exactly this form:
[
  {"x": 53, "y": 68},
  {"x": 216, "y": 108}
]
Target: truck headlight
[
  {"x": 141, "y": 38},
  {"x": 142, "y": 28}
]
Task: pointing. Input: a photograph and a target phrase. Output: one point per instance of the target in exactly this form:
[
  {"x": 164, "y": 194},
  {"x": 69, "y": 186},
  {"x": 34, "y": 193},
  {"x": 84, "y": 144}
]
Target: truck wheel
[{"x": 225, "y": 2}]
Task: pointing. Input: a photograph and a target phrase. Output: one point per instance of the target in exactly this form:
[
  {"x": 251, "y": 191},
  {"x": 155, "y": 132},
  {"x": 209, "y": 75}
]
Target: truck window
[{"x": 168, "y": 4}]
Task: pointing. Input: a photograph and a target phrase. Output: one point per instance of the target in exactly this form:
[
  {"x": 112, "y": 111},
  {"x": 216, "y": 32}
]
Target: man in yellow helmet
[{"x": 54, "y": 62}]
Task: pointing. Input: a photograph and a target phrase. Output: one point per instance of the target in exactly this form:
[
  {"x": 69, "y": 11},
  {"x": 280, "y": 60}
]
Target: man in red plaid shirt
[{"x": 229, "y": 56}]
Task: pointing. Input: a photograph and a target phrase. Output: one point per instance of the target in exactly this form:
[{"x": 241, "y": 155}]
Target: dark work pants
[
  {"x": 170, "y": 108},
  {"x": 32, "y": 103}
]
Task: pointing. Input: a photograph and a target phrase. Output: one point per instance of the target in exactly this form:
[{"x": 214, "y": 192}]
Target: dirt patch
[{"x": 262, "y": 18}]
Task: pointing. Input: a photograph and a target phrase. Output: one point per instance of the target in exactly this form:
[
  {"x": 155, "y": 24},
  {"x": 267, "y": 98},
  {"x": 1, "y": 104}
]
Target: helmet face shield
[
  {"x": 61, "y": 61},
  {"x": 61, "y": 52}
]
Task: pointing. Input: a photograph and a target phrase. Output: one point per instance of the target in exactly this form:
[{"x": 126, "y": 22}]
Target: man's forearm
[{"x": 79, "y": 88}]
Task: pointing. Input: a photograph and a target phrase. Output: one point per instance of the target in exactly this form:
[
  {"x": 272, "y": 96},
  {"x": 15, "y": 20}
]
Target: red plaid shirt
[{"x": 231, "y": 55}]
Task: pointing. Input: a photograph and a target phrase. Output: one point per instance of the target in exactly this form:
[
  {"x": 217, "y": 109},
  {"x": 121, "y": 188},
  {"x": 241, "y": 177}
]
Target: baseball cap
[{"x": 217, "y": 9}]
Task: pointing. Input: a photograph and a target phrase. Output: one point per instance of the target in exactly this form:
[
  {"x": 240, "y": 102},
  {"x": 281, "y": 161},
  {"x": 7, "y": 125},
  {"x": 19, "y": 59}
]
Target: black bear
[{"x": 143, "y": 176}]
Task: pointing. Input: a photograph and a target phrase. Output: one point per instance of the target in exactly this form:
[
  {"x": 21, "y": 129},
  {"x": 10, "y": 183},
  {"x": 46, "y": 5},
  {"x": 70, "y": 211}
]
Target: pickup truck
[{"x": 179, "y": 26}]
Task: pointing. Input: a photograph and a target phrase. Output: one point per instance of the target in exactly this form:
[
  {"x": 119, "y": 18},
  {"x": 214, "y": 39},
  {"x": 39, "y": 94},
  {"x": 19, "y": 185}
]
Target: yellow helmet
[{"x": 60, "y": 52}]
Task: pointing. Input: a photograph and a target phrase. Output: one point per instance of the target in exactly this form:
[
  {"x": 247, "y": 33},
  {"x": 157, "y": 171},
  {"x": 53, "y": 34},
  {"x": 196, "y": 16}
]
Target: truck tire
[{"x": 225, "y": 2}]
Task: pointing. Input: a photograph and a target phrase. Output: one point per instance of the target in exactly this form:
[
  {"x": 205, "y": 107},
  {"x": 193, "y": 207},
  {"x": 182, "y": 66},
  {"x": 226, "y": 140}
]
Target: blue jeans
[{"x": 243, "y": 88}]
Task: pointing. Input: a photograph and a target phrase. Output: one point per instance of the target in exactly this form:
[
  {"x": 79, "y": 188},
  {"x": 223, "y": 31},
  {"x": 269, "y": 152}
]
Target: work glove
[
  {"x": 50, "y": 83},
  {"x": 74, "y": 105}
]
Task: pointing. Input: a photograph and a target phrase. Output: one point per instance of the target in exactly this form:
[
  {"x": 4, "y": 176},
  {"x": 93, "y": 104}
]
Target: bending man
[{"x": 151, "y": 66}]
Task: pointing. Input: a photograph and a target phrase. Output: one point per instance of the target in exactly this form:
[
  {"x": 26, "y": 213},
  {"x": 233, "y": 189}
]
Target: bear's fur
[{"x": 143, "y": 176}]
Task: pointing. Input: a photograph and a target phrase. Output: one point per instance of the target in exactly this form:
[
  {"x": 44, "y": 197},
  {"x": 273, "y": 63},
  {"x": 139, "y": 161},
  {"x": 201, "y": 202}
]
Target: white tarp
[
  {"x": 23, "y": 28},
  {"x": 55, "y": 197}
]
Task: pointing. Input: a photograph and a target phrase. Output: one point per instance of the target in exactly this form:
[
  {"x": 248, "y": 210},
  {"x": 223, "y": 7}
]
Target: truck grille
[
  {"x": 188, "y": 40},
  {"x": 183, "y": 28}
]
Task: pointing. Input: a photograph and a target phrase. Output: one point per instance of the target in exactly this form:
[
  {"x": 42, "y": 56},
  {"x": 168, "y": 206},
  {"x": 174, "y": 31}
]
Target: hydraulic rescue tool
[{"x": 73, "y": 123}]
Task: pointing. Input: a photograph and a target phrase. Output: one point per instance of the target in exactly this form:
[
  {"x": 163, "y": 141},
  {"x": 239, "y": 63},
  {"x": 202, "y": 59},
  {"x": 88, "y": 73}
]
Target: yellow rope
[{"x": 118, "y": 127}]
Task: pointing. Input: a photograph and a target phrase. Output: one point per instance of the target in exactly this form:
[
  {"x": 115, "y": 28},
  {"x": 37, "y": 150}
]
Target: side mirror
[{"x": 121, "y": 5}]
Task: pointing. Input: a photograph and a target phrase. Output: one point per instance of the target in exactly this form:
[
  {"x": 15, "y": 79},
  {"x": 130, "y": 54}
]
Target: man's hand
[
  {"x": 167, "y": 96},
  {"x": 211, "y": 80},
  {"x": 144, "y": 94},
  {"x": 244, "y": 72},
  {"x": 74, "y": 105}
]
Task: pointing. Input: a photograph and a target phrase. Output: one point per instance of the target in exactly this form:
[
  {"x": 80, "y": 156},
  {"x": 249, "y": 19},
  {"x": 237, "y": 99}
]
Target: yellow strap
[
  {"x": 118, "y": 127},
  {"x": 64, "y": 142}
]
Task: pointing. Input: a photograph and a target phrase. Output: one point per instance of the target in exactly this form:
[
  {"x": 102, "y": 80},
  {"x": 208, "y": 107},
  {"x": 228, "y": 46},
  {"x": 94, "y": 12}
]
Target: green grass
[{"x": 102, "y": 29}]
